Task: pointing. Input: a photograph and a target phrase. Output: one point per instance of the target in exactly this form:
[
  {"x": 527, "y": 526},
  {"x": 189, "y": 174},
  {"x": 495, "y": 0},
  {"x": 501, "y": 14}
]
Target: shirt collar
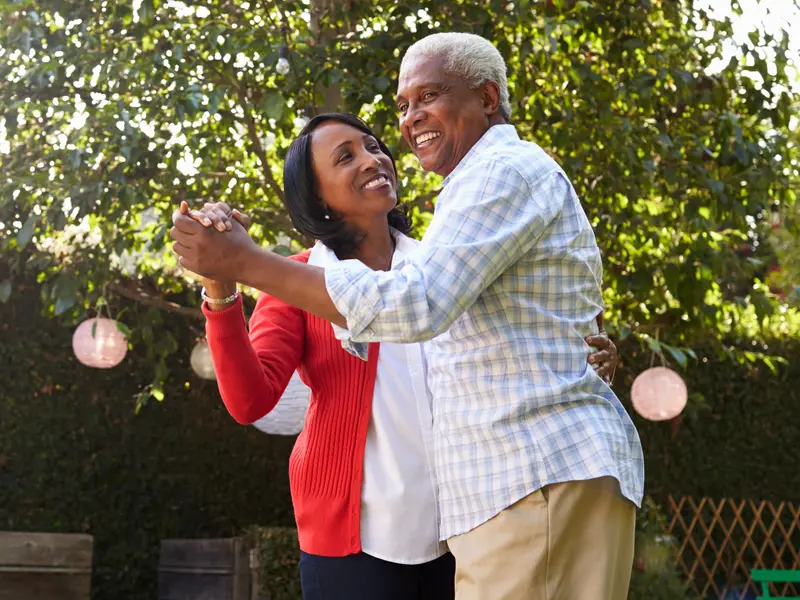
[
  {"x": 322, "y": 256},
  {"x": 497, "y": 134}
]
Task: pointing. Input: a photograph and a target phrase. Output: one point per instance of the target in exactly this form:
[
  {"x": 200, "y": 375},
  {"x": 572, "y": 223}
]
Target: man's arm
[{"x": 489, "y": 219}]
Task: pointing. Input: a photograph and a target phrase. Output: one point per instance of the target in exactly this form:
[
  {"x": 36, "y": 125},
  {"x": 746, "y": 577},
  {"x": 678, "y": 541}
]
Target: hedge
[{"x": 75, "y": 458}]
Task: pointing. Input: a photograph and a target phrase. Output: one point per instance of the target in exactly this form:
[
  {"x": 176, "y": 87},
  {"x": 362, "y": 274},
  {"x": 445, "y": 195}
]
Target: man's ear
[{"x": 490, "y": 96}]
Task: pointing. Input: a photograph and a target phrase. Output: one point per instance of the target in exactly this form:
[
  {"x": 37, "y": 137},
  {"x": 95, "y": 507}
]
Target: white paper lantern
[
  {"x": 659, "y": 394},
  {"x": 283, "y": 66},
  {"x": 201, "y": 361},
  {"x": 103, "y": 350}
]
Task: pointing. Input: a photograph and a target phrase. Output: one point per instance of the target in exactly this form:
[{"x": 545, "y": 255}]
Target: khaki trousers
[{"x": 568, "y": 541}]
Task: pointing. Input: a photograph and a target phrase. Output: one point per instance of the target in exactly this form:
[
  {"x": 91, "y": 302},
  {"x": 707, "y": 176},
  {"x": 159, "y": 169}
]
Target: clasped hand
[{"x": 219, "y": 255}]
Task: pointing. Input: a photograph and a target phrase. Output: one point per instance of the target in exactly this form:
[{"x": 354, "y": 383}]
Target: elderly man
[{"x": 540, "y": 468}]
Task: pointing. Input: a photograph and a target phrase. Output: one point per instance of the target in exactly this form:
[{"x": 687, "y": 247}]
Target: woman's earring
[{"x": 327, "y": 217}]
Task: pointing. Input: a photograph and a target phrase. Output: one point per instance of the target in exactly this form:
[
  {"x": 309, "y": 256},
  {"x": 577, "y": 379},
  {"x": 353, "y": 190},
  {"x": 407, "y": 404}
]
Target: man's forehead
[{"x": 421, "y": 71}]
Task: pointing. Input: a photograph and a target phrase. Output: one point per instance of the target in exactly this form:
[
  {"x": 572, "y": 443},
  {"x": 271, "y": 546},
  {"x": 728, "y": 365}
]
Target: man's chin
[{"x": 429, "y": 162}]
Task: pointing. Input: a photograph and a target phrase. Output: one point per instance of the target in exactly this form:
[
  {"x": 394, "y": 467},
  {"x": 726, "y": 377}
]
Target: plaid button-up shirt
[{"x": 505, "y": 285}]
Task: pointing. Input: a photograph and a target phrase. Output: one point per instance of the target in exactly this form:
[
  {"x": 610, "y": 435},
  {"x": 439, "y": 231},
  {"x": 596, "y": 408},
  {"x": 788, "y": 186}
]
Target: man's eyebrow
[{"x": 434, "y": 85}]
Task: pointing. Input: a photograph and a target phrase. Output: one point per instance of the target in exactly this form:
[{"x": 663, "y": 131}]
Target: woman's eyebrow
[{"x": 346, "y": 143}]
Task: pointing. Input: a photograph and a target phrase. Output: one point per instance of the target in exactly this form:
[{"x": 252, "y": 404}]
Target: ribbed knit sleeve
[{"x": 254, "y": 369}]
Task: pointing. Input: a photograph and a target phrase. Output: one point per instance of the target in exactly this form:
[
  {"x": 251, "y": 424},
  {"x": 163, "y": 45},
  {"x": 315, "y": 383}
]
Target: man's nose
[{"x": 415, "y": 114}]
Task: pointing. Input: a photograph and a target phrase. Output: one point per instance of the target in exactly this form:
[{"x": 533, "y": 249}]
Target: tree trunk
[{"x": 321, "y": 11}]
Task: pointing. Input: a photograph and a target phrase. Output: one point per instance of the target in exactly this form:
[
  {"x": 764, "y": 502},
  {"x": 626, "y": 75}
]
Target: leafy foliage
[
  {"x": 785, "y": 278},
  {"x": 75, "y": 459},
  {"x": 116, "y": 111}
]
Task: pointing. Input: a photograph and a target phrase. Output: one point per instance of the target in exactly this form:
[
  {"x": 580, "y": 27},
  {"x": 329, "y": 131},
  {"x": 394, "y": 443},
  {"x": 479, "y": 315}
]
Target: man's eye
[{"x": 428, "y": 95}]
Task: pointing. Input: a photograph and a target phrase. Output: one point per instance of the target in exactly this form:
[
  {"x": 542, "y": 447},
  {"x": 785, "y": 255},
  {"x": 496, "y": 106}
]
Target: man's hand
[
  {"x": 207, "y": 252},
  {"x": 216, "y": 214}
]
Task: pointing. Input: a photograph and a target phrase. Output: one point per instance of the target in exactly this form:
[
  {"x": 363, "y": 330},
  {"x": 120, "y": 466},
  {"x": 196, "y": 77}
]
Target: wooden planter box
[
  {"x": 45, "y": 566},
  {"x": 204, "y": 570}
]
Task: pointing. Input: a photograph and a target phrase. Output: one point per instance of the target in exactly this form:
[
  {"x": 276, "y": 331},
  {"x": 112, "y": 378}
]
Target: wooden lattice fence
[{"x": 720, "y": 541}]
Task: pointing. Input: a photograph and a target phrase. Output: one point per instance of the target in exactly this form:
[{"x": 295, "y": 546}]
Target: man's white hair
[{"x": 468, "y": 56}]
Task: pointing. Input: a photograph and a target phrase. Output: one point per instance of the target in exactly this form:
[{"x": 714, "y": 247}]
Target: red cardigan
[{"x": 326, "y": 465}]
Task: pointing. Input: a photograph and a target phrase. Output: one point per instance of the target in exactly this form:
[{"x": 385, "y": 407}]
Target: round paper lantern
[
  {"x": 98, "y": 343},
  {"x": 659, "y": 394},
  {"x": 201, "y": 361}
]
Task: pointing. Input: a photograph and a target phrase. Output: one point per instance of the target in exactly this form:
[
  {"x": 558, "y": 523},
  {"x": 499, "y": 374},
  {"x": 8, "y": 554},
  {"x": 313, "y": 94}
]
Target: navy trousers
[{"x": 364, "y": 577}]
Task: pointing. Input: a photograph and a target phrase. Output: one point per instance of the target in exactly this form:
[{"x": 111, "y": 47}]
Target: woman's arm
[{"x": 254, "y": 369}]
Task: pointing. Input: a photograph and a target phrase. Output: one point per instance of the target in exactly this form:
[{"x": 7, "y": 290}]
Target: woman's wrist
[{"x": 219, "y": 290}]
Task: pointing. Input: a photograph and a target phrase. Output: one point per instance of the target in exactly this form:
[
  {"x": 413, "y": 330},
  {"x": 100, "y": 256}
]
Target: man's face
[{"x": 440, "y": 117}]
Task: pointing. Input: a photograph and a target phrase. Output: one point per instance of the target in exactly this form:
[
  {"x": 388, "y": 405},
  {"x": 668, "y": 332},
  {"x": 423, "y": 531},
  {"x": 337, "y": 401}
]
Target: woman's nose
[{"x": 370, "y": 162}]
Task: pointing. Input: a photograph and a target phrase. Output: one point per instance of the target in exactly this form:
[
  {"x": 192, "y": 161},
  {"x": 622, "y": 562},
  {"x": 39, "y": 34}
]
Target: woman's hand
[
  {"x": 217, "y": 215},
  {"x": 604, "y": 361}
]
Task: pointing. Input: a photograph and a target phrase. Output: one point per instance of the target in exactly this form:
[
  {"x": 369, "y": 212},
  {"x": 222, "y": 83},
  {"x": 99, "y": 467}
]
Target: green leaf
[
  {"x": 283, "y": 250},
  {"x": 124, "y": 329},
  {"x": 25, "y": 234},
  {"x": 766, "y": 360},
  {"x": 677, "y": 354},
  {"x": 64, "y": 303},
  {"x": 272, "y": 104},
  {"x": 5, "y": 291},
  {"x": 654, "y": 344},
  {"x": 215, "y": 98}
]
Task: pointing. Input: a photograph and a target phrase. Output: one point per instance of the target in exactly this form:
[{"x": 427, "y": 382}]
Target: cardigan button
[{"x": 353, "y": 541}]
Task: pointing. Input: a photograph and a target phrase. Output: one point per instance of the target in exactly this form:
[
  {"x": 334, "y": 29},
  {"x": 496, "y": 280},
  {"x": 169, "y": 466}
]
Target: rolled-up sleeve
[{"x": 486, "y": 219}]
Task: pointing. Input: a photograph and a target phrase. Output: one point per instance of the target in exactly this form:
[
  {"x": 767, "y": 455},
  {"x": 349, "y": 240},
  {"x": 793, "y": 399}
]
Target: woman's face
[{"x": 355, "y": 178}]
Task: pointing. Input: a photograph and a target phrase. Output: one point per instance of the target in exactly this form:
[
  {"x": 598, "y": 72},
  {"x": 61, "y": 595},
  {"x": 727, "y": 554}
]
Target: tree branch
[
  {"x": 252, "y": 133},
  {"x": 138, "y": 294}
]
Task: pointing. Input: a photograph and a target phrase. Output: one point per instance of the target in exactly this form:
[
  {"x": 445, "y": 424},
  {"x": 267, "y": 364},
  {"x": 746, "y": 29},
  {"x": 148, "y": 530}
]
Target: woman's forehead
[{"x": 333, "y": 133}]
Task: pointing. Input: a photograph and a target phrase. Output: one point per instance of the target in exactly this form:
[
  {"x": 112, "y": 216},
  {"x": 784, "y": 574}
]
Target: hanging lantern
[
  {"x": 775, "y": 218},
  {"x": 201, "y": 361},
  {"x": 283, "y": 61},
  {"x": 99, "y": 343},
  {"x": 659, "y": 394}
]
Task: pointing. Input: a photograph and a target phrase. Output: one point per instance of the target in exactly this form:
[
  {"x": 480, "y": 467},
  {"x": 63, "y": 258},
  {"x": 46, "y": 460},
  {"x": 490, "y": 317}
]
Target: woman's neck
[{"x": 377, "y": 249}]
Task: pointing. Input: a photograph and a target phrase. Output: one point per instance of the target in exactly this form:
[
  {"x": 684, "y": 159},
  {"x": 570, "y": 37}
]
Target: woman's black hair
[{"x": 303, "y": 200}]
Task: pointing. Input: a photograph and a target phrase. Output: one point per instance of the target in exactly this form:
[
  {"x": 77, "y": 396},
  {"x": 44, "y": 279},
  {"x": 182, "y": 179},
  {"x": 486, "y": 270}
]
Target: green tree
[
  {"x": 784, "y": 279},
  {"x": 113, "y": 112}
]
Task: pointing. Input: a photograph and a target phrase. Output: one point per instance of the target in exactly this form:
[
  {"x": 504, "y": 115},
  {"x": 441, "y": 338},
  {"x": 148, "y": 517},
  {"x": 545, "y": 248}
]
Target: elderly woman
[{"x": 539, "y": 467}]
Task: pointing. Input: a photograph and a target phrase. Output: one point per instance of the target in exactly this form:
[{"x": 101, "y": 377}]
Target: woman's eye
[{"x": 343, "y": 157}]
